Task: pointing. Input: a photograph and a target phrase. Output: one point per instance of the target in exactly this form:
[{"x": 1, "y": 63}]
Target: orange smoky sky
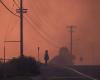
[{"x": 45, "y": 25}]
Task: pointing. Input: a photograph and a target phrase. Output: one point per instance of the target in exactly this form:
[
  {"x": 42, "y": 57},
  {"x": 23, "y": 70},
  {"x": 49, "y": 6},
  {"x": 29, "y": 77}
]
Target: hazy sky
[{"x": 45, "y": 24}]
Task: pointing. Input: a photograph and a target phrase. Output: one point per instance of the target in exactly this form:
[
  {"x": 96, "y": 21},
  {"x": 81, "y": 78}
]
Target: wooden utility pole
[
  {"x": 21, "y": 11},
  {"x": 71, "y": 38},
  {"x": 5, "y": 56},
  {"x": 21, "y": 28},
  {"x": 38, "y": 54}
]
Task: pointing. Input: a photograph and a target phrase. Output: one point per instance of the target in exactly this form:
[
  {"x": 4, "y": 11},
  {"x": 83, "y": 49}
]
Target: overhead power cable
[
  {"x": 16, "y": 3},
  {"x": 41, "y": 20},
  {"x": 29, "y": 20},
  {"x": 8, "y": 9},
  {"x": 10, "y": 20},
  {"x": 35, "y": 23},
  {"x": 31, "y": 25}
]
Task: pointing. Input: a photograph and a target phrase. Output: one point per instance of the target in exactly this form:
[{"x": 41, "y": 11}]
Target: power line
[
  {"x": 71, "y": 38},
  {"x": 16, "y": 3},
  {"x": 39, "y": 17},
  {"x": 45, "y": 5},
  {"x": 34, "y": 22},
  {"x": 8, "y": 9},
  {"x": 31, "y": 23},
  {"x": 10, "y": 19},
  {"x": 40, "y": 33}
]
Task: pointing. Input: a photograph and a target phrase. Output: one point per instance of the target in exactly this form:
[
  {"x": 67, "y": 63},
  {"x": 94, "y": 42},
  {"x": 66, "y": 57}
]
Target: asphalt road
[{"x": 55, "y": 73}]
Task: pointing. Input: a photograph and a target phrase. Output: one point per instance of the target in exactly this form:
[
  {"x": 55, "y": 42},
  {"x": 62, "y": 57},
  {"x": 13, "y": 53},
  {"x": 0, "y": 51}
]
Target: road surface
[{"x": 57, "y": 73}]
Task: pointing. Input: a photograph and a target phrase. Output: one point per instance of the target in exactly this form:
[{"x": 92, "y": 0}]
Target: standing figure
[{"x": 46, "y": 57}]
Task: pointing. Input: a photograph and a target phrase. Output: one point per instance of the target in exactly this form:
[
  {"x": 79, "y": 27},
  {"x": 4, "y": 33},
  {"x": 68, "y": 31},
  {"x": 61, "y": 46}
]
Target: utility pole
[
  {"x": 4, "y": 63},
  {"x": 4, "y": 54},
  {"x": 71, "y": 38},
  {"x": 21, "y": 28},
  {"x": 38, "y": 53},
  {"x": 21, "y": 11}
]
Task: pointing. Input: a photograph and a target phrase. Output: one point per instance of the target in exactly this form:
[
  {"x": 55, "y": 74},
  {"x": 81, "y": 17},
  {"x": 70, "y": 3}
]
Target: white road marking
[{"x": 82, "y": 74}]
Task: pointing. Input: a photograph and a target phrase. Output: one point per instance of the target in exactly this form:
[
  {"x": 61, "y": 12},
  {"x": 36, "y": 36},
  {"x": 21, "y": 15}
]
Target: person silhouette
[{"x": 46, "y": 56}]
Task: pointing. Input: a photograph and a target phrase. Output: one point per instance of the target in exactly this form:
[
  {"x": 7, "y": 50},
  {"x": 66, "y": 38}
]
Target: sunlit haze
[{"x": 46, "y": 25}]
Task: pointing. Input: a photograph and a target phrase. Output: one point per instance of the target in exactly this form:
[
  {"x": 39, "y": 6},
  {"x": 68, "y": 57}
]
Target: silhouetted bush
[
  {"x": 22, "y": 66},
  {"x": 1, "y": 70}
]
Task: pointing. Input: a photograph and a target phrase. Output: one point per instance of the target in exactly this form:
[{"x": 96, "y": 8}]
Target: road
[{"x": 55, "y": 73}]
